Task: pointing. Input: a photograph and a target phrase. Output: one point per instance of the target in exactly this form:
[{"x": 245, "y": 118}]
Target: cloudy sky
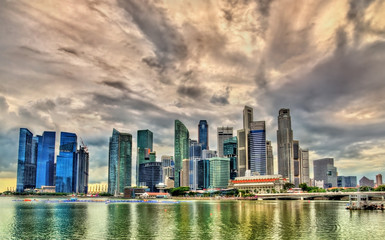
[{"x": 90, "y": 66}]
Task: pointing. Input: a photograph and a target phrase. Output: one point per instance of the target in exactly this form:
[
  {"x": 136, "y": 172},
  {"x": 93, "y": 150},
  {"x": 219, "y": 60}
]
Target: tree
[
  {"x": 288, "y": 185},
  {"x": 179, "y": 191},
  {"x": 380, "y": 188},
  {"x": 304, "y": 187}
]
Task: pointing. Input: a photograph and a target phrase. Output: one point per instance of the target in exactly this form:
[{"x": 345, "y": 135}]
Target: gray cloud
[{"x": 221, "y": 98}]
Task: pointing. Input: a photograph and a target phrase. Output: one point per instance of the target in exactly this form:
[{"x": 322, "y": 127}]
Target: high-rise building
[
  {"x": 144, "y": 148},
  {"x": 366, "y": 182},
  {"x": 219, "y": 172},
  {"x": 181, "y": 148},
  {"x": 325, "y": 171},
  {"x": 243, "y": 142},
  {"x": 45, "y": 175},
  {"x": 347, "y": 181},
  {"x": 26, "y": 169},
  {"x": 66, "y": 164},
  {"x": 119, "y": 162},
  {"x": 285, "y": 145},
  {"x": 203, "y": 174},
  {"x": 379, "y": 179},
  {"x": 195, "y": 155},
  {"x": 257, "y": 147},
  {"x": 304, "y": 166},
  {"x": 203, "y": 134},
  {"x": 168, "y": 167},
  {"x": 150, "y": 175},
  {"x": 83, "y": 157},
  {"x": 185, "y": 173},
  {"x": 206, "y": 154},
  {"x": 297, "y": 161},
  {"x": 223, "y": 133},
  {"x": 269, "y": 158},
  {"x": 230, "y": 151}
]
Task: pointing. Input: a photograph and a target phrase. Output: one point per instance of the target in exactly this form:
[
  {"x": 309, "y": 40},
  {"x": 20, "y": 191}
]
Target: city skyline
[{"x": 89, "y": 67}]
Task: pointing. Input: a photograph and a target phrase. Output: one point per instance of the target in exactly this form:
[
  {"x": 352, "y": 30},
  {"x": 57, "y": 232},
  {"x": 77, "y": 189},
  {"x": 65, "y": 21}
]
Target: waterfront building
[
  {"x": 223, "y": 133},
  {"x": 203, "y": 174},
  {"x": 325, "y": 171},
  {"x": 66, "y": 164},
  {"x": 26, "y": 169},
  {"x": 83, "y": 157},
  {"x": 150, "y": 175},
  {"x": 181, "y": 148},
  {"x": 347, "y": 181},
  {"x": 195, "y": 155},
  {"x": 366, "y": 182},
  {"x": 304, "y": 166},
  {"x": 243, "y": 142},
  {"x": 144, "y": 148},
  {"x": 45, "y": 171},
  {"x": 203, "y": 134},
  {"x": 257, "y": 148},
  {"x": 269, "y": 158},
  {"x": 259, "y": 184},
  {"x": 379, "y": 180},
  {"x": 230, "y": 151},
  {"x": 167, "y": 167},
  {"x": 185, "y": 173},
  {"x": 285, "y": 145},
  {"x": 219, "y": 172},
  {"x": 119, "y": 162},
  {"x": 297, "y": 161}
]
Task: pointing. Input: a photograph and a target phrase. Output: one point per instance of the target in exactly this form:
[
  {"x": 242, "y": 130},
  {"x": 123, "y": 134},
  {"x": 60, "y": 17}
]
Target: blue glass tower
[
  {"x": 145, "y": 147},
  {"x": 195, "y": 155},
  {"x": 66, "y": 164},
  {"x": 203, "y": 174},
  {"x": 230, "y": 151},
  {"x": 257, "y": 147},
  {"x": 24, "y": 160},
  {"x": 203, "y": 134},
  {"x": 45, "y": 160}
]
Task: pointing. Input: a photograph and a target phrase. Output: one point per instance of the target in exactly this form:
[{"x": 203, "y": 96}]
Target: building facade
[
  {"x": 167, "y": 167},
  {"x": 66, "y": 164},
  {"x": 325, "y": 171},
  {"x": 203, "y": 134},
  {"x": 83, "y": 166},
  {"x": 379, "y": 179},
  {"x": 243, "y": 142},
  {"x": 223, "y": 133},
  {"x": 185, "y": 173},
  {"x": 203, "y": 174},
  {"x": 219, "y": 172},
  {"x": 195, "y": 156},
  {"x": 259, "y": 184},
  {"x": 45, "y": 172},
  {"x": 119, "y": 162},
  {"x": 347, "y": 181},
  {"x": 257, "y": 148},
  {"x": 151, "y": 175},
  {"x": 297, "y": 163},
  {"x": 269, "y": 159},
  {"x": 26, "y": 168},
  {"x": 144, "y": 148},
  {"x": 230, "y": 152},
  {"x": 285, "y": 145},
  {"x": 181, "y": 149},
  {"x": 304, "y": 166},
  {"x": 366, "y": 182}
]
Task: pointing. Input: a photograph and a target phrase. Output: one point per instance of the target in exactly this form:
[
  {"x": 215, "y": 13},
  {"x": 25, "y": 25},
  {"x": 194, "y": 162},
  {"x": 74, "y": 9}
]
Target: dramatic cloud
[{"x": 90, "y": 66}]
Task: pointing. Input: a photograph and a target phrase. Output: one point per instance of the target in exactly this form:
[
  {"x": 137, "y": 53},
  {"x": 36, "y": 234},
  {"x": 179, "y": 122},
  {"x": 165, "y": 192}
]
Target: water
[{"x": 189, "y": 220}]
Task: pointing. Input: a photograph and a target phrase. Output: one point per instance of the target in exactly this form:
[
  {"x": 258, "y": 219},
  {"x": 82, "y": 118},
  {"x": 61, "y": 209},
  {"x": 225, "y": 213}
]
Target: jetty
[{"x": 361, "y": 202}]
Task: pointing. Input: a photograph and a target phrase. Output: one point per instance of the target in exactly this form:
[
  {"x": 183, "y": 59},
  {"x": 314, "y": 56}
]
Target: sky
[{"x": 90, "y": 66}]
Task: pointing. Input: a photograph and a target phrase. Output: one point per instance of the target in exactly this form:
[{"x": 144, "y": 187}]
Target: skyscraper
[
  {"x": 66, "y": 164},
  {"x": 203, "y": 134},
  {"x": 223, "y": 134},
  {"x": 150, "y": 175},
  {"x": 45, "y": 175},
  {"x": 243, "y": 141},
  {"x": 82, "y": 169},
  {"x": 296, "y": 160},
  {"x": 285, "y": 145},
  {"x": 325, "y": 171},
  {"x": 120, "y": 162},
  {"x": 181, "y": 148},
  {"x": 185, "y": 173},
  {"x": 144, "y": 147},
  {"x": 379, "y": 179},
  {"x": 195, "y": 156},
  {"x": 230, "y": 151},
  {"x": 269, "y": 159},
  {"x": 203, "y": 174},
  {"x": 25, "y": 165},
  {"x": 305, "y": 177},
  {"x": 168, "y": 168},
  {"x": 257, "y": 147},
  {"x": 219, "y": 172}
]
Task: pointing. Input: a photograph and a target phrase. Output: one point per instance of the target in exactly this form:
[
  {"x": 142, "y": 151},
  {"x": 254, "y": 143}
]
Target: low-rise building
[{"x": 259, "y": 184}]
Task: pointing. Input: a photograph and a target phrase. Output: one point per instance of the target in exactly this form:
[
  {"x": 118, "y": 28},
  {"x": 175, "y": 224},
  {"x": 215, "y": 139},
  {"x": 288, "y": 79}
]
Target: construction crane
[{"x": 83, "y": 144}]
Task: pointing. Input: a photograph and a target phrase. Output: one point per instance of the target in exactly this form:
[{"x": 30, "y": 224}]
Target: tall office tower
[
  {"x": 285, "y": 145},
  {"x": 185, "y": 173},
  {"x": 181, "y": 148},
  {"x": 150, "y": 175},
  {"x": 195, "y": 156},
  {"x": 66, "y": 164},
  {"x": 119, "y": 162},
  {"x": 230, "y": 151},
  {"x": 347, "y": 181},
  {"x": 45, "y": 175},
  {"x": 325, "y": 171},
  {"x": 243, "y": 141},
  {"x": 83, "y": 157},
  {"x": 168, "y": 168},
  {"x": 379, "y": 179},
  {"x": 203, "y": 134},
  {"x": 203, "y": 174},
  {"x": 297, "y": 161},
  {"x": 144, "y": 147},
  {"x": 269, "y": 158},
  {"x": 223, "y": 134},
  {"x": 206, "y": 154},
  {"x": 304, "y": 166},
  {"x": 25, "y": 165},
  {"x": 257, "y": 148},
  {"x": 219, "y": 172},
  {"x": 366, "y": 182}
]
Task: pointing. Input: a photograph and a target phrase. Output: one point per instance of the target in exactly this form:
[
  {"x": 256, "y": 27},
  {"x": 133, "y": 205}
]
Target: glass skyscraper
[
  {"x": 230, "y": 151},
  {"x": 45, "y": 160},
  {"x": 219, "y": 172},
  {"x": 195, "y": 155},
  {"x": 25, "y": 164},
  {"x": 82, "y": 169},
  {"x": 119, "y": 162},
  {"x": 223, "y": 133},
  {"x": 181, "y": 148},
  {"x": 203, "y": 174},
  {"x": 203, "y": 134},
  {"x": 144, "y": 148},
  {"x": 66, "y": 164},
  {"x": 285, "y": 145},
  {"x": 151, "y": 174},
  {"x": 257, "y": 147}
]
